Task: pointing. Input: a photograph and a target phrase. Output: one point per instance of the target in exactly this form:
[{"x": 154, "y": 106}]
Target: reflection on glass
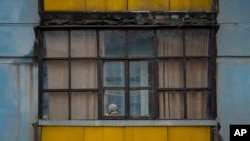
[
  {"x": 112, "y": 43},
  {"x": 139, "y": 103},
  {"x": 114, "y": 74},
  {"x": 116, "y": 97},
  {"x": 140, "y": 73},
  {"x": 140, "y": 43}
]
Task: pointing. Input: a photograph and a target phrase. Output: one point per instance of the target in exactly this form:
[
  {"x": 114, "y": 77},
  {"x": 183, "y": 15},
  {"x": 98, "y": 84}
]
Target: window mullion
[
  {"x": 185, "y": 73},
  {"x": 69, "y": 73},
  {"x": 99, "y": 73},
  {"x": 127, "y": 99}
]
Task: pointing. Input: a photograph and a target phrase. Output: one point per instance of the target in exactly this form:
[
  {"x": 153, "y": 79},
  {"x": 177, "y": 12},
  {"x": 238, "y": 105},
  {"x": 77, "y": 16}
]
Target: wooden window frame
[{"x": 155, "y": 58}]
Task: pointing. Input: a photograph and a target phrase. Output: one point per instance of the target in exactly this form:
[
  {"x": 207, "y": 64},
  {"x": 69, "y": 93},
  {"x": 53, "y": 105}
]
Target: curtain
[
  {"x": 79, "y": 74},
  {"x": 171, "y": 104},
  {"x": 172, "y": 70},
  {"x": 84, "y": 105}
]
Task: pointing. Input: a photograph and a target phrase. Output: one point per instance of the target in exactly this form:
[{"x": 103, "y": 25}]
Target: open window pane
[
  {"x": 197, "y": 105},
  {"x": 56, "y": 44},
  {"x": 112, "y": 43},
  {"x": 140, "y": 43},
  {"x": 197, "y": 73},
  {"x": 170, "y": 42},
  {"x": 140, "y": 73},
  {"x": 83, "y": 74},
  {"x": 171, "y": 105},
  {"x": 114, "y": 74},
  {"x": 171, "y": 73},
  {"x": 83, "y": 43},
  {"x": 116, "y": 97},
  {"x": 56, "y": 75},
  {"x": 84, "y": 105},
  {"x": 140, "y": 103}
]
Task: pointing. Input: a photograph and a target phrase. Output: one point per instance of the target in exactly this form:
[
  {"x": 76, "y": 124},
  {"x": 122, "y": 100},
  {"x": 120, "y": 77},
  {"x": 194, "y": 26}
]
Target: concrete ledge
[{"x": 127, "y": 123}]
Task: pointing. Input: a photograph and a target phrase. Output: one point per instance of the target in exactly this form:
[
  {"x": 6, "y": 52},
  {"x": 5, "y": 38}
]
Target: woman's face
[{"x": 114, "y": 112}]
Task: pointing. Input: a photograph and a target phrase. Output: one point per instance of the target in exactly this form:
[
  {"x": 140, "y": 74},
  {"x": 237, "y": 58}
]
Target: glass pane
[
  {"x": 171, "y": 105},
  {"x": 114, "y": 74},
  {"x": 140, "y": 103},
  {"x": 197, "y": 105},
  {"x": 140, "y": 73},
  {"x": 56, "y": 44},
  {"x": 56, "y": 106},
  {"x": 197, "y": 42},
  {"x": 116, "y": 98},
  {"x": 140, "y": 43},
  {"x": 84, "y": 105},
  {"x": 56, "y": 75},
  {"x": 83, "y": 43},
  {"x": 197, "y": 73},
  {"x": 84, "y": 74},
  {"x": 45, "y": 106},
  {"x": 171, "y": 73},
  {"x": 112, "y": 43},
  {"x": 170, "y": 42}
]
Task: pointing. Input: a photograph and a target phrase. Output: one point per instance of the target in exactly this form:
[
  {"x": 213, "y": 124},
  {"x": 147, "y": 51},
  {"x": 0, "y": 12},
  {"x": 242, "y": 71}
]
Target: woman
[{"x": 112, "y": 110}]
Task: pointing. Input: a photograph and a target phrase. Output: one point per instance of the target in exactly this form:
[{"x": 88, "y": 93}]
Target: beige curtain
[
  {"x": 56, "y": 43},
  {"x": 197, "y": 44},
  {"x": 84, "y": 105},
  {"x": 196, "y": 105},
  {"x": 83, "y": 74},
  {"x": 171, "y": 104},
  {"x": 171, "y": 71},
  {"x": 83, "y": 43},
  {"x": 170, "y": 42},
  {"x": 58, "y": 106}
]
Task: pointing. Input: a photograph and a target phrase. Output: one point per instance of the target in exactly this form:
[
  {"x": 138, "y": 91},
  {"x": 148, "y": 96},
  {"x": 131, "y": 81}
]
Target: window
[{"x": 147, "y": 73}]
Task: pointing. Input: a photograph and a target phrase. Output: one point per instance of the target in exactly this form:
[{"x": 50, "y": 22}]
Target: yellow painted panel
[
  {"x": 93, "y": 134},
  {"x": 137, "y": 5},
  {"x": 190, "y": 5},
  {"x": 159, "y": 5},
  {"x": 113, "y": 134},
  {"x": 148, "y": 5},
  {"x": 62, "y": 134},
  {"x": 189, "y": 134},
  {"x": 64, "y": 5},
  {"x": 95, "y": 5},
  {"x": 179, "y": 5},
  {"x": 146, "y": 134},
  {"x": 116, "y": 5},
  {"x": 200, "y": 5}
]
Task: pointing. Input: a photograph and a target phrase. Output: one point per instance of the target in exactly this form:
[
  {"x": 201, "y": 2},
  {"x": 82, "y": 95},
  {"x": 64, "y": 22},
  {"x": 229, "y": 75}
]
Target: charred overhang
[{"x": 128, "y": 18}]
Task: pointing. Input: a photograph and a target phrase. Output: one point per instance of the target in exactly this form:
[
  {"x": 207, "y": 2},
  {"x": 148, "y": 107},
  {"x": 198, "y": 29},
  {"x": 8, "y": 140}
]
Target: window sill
[{"x": 127, "y": 123}]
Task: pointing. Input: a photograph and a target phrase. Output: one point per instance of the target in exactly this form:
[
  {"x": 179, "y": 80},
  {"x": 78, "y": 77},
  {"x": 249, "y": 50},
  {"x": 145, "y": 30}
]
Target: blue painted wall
[
  {"x": 233, "y": 64},
  {"x": 18, "y": 71}
]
